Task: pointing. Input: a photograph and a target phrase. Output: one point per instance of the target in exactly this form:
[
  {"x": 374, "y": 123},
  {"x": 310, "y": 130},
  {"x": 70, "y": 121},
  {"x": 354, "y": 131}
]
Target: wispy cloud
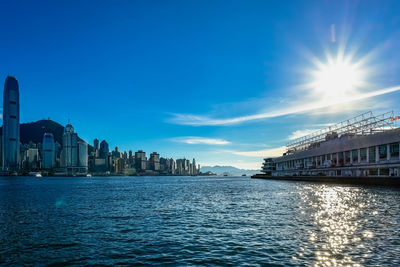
[
  {"x": 194, "y": 140},
  {"x": 196, "y": 120},
  {"x": 301, "y": 133},
  {"x": 266, "y": 153}
]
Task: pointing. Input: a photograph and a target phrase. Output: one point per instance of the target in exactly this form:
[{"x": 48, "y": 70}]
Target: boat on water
[
  {"x": 243, "y": 174},
  {"x": 35, "y": 174}
]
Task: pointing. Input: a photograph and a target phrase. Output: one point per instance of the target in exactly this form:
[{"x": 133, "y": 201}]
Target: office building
[
  {"x": 48, "y": 151},
  {"x": 11, "y": 133}
]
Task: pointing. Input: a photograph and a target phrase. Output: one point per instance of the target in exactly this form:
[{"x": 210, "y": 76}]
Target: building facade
[
  {"x": 11, "y": 158},
  {"x": 48, "y": 152},
  {"x": 368, "y": 146},
  {"x": 74, "y": 154}
]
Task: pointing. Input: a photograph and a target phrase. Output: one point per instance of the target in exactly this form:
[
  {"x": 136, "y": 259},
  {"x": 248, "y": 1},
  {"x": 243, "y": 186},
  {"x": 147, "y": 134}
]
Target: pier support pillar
[
  {"x": 377, "y": 154},
  {"x": 387, "y": 152},
  {"x": 358, "y": 155},
  {"x": 368, "y": 154}
]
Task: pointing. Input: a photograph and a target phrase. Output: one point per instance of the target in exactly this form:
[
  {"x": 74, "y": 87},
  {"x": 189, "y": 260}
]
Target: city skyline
[
  {"x": 38, "y": 153},
  {"x": 221, "y": 84}
]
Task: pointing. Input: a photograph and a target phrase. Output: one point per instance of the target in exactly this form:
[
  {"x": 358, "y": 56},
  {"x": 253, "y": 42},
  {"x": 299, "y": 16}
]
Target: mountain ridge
[{"x": 220, "y": 170}]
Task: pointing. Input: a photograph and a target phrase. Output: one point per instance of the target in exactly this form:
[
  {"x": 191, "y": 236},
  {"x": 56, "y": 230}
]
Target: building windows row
[{"x": 371, "y": 155}]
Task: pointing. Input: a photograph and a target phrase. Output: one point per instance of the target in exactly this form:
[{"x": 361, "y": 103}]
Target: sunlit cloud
[
  {"x": 193, "y": 140},
  {"x": 195, "y": 120},
  {"x": 266, "y": 153}
]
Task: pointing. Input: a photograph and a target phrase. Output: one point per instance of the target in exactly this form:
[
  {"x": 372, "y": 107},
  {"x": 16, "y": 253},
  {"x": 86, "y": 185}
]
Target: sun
[{"x": 337, "y": 80}]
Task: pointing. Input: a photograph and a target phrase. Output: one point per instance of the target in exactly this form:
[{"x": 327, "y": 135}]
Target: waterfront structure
[
  {"x": 365, "y": 145},
  {"x": 11, "y": 135},
  {"x": 48, "y": 151}
]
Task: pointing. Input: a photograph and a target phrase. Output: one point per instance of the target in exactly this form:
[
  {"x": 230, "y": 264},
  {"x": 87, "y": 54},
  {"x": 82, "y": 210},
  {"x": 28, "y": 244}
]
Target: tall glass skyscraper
[
  {"x": 48, "y": 151},
  {"x": 11, "y": 139}
]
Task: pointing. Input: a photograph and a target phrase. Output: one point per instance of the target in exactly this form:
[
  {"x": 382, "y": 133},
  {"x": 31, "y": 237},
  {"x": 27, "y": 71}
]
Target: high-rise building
[
  {"x": 31, "y": 158},
  {"x": 173, "y": 166},
  {"x": 194, "y": 170},
  {"x": 140, "y": 160},
  {"x": 83, "y": 156},
  {"x": 48, "y": 151},
  {"x": 74, "y": 155},
  {"x": 11, "y": 135},
  {"x": 69, "y": 154},
  {"x": 119, "y": 166},
  {"x": 104, "y": 149},
  {"x": 154, "y": 161},
  {"x": 180, "y": 166},
  {"x": 96, "y": 144},
  {"x": 115, "y": 154}
]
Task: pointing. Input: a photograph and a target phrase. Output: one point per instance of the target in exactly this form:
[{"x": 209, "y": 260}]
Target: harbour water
[{"x": 196, "y": 220}]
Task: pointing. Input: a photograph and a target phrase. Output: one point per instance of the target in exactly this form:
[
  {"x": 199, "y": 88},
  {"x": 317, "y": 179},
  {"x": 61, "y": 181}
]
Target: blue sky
[{"x": 226, "y": 82}]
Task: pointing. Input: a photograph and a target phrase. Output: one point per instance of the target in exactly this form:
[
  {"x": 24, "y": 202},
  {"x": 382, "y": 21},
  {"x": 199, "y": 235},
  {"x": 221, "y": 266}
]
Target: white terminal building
[{"x": 365, "y": 145}]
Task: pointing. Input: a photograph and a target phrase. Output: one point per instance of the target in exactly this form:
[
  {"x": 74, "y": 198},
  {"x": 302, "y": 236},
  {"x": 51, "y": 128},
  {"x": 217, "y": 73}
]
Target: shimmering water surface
[{"x": 196, "y": 220}]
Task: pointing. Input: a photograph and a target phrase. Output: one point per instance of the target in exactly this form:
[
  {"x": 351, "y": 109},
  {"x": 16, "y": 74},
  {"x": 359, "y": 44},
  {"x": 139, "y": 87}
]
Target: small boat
[
  {"x": 88, "y": 175},
  {"x": 38, "y": 175},
  {"x": 243, "y": 174}
]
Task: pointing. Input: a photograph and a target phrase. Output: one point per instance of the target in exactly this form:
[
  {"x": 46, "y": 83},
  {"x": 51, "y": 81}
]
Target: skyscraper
[
  {"x": 104, "y": 150},
  {"x": 96, "y": 144},
  {"x": 11, "y": 143},
  {"x": 83, "y": 156},
  {"x": 48, "y": 151},
  {"x": 69, "y": 154},
  {"x": 74, "y": 155}
]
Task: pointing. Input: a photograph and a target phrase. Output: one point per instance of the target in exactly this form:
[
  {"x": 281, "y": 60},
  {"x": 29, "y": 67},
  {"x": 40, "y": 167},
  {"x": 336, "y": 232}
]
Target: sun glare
[{"x": 337, "y": 80}]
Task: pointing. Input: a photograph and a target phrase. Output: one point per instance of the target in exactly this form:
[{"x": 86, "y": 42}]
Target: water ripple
[{"x": 196, "y": 220}]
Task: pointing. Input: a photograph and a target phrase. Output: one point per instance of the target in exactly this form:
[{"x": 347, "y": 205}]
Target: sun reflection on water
[{"x": 336, "y": 213}]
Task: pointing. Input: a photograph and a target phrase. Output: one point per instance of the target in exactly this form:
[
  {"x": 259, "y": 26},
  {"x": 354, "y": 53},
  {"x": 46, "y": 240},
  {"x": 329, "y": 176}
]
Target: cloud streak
[
  {"x": 301, "y": 133},
  {"x": 194, "y": 140},
  {"x": 266, "y": 153},
  {"x": 195, "y": 120}
]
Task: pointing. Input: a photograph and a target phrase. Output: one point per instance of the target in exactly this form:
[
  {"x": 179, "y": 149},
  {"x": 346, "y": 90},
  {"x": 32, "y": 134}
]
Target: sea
[{"x": 185, "y": 221}]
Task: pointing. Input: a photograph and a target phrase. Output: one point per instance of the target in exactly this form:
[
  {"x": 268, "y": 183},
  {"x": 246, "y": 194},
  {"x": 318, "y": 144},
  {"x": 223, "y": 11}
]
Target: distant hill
[
  {"x": 34, "y": 131},
  {"x": 221, "y": 170}
]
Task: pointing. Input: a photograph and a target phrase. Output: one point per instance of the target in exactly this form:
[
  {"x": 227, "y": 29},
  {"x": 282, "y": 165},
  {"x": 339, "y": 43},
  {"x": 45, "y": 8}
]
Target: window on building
[
  {"x": 340, "y": 157},
  {"x": 354, "y": 155},
  {"x": 394, "y": 150},
  {"x": 384, "y": 172},
  {"x": 373, "y": 171},
  {"x": 347, "y": 157},
  {"x": 372, "y": 154},
  {"x": 382, "y": 152},
  {"x": 363, "y": 154}
]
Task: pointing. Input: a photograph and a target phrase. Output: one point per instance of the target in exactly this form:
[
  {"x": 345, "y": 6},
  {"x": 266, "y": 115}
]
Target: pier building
[{"x": 365, "y": 145}]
